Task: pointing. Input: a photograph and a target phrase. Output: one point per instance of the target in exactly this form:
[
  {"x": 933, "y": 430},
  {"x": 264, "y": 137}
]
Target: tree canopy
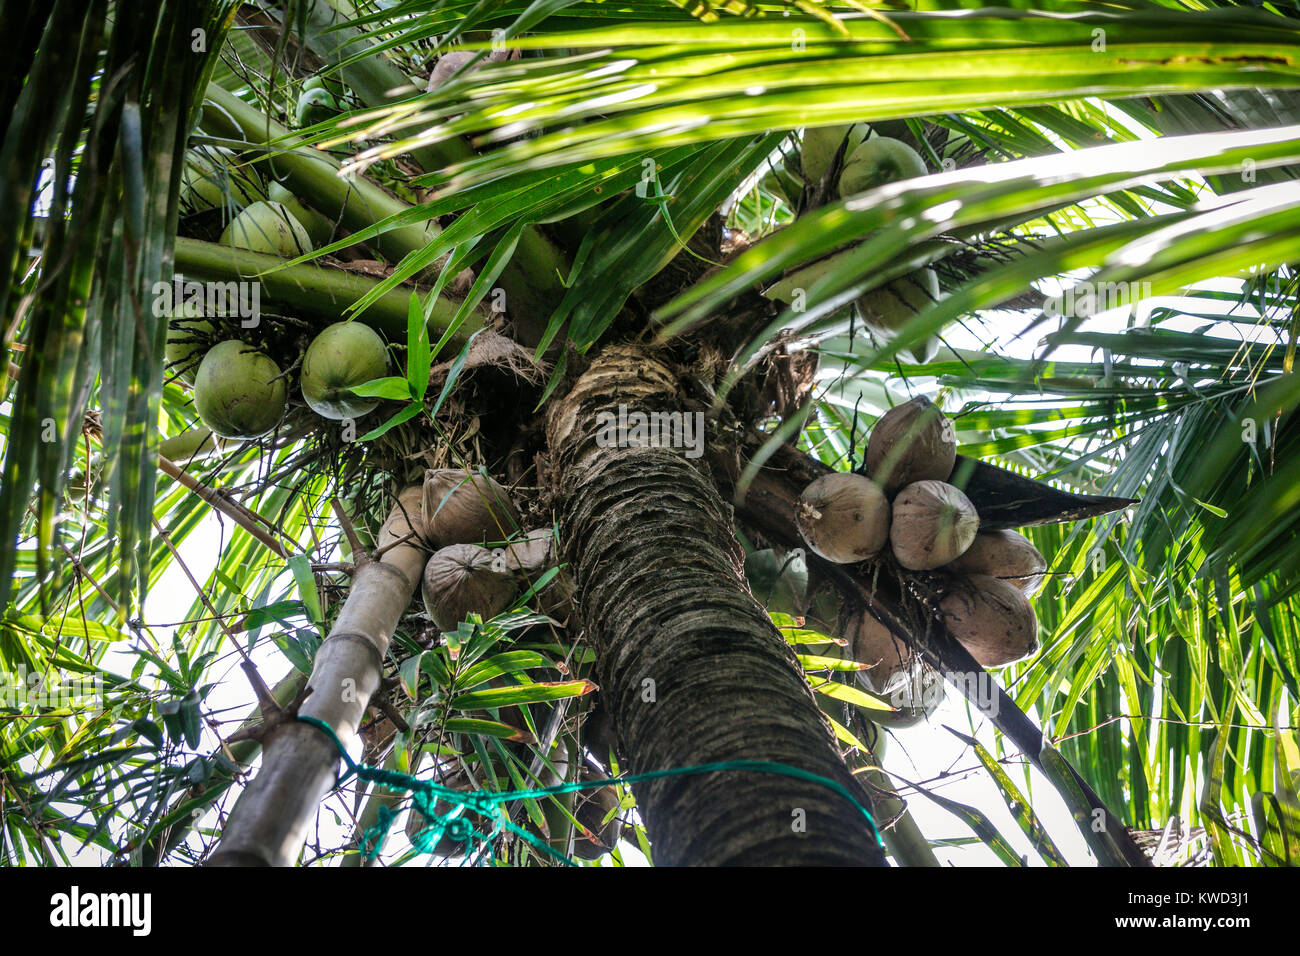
[{"x": 1109, "y": 209}]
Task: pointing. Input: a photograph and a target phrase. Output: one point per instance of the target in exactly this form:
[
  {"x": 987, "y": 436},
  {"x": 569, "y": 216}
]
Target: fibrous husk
[
  {"x": 238, "y": 391},
  {"x": 531, "y": 554},
  {"x": 993, "y": 619},
  {"x": 342, "y": 355},
  {"x": 464, "y": 579},
  {"x": 878, "y": 161},
  {"x": 843, "y": 517},
  {"x": 889, "y": 661},
  {"x": 591, "y": 808},
  {"x": 461, "y": 507},
  {"x": 1007, "y": 555},
  {"x": 912, "y": 442},
  {"x": 933, "y": 524}
]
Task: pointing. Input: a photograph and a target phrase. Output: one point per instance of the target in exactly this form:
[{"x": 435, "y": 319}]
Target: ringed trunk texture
[
  {"x": 269, "y": 823},
  {"x": 690, "y": 666}
]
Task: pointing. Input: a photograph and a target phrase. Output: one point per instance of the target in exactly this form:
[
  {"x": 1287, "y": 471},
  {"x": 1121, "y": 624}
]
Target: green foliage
[{"x": 1170, "y": 669}]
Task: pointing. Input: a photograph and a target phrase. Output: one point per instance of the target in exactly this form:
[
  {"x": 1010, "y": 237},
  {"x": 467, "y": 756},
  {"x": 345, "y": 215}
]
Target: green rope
[{"x": 489, "y": 804}]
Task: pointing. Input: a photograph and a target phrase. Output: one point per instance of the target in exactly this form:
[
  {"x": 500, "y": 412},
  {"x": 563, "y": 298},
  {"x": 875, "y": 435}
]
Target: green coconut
[
  {"x": 778, "y": 581},
  {"x": 186, "y": 330},
  {"x": 213, "y": 178},
  {"x": 238, "y": 391},
  {"x": 878, "y": 161},
  {"x": 820, "y": 145},
  {"x": 785, "y": 289},
  {"x": 315, "y": 106},
  {"x": 269, "y": 228},
  {"x": 343, "y": 355},
  {"x": 886, "y": 309},
  {"x": 922, "y": 353},
  {"x": 320, "y": 229}
]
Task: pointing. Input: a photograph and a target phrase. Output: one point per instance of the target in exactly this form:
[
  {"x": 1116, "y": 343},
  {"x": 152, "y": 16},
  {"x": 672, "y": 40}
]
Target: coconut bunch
[
  {"x": 838, "y": 162},
  {"x": 240, "y": 376},
  {"x": 463, "y": 514},
  {"x": 239, "y": 389},
  {"x": 903, "y": 501}
]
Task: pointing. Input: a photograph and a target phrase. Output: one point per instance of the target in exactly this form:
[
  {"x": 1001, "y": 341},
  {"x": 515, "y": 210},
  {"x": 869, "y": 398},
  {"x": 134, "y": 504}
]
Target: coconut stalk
[
  {"x": 690, "y": 666},
  {"x": 530, "y": 279},
  {"x": 269, "y": 823},
  {"x": 313, "y": 175},
  {"x": 903, "y": 838},
  {"x": 324, "y": 293}
]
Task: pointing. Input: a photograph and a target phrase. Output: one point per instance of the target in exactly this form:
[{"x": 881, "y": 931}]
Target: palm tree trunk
[
  {"x": 269, "y": 823},
  {"x": 690, "y": 666}
]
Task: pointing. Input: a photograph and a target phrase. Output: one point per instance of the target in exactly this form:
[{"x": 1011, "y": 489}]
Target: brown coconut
[
  {"x": 532, "y": 554},
  {"x": 1008, "y": 555},
  {"x": 889, "y": 661},
  {"x": 992, "y": 618},
  {"x": 933, "y": 524},
  {"x": 461, "y": 579},
  {"x": 843, "y": 517},
  {"x": 912, "y": 442},
  {"x": 590, "y": 809},
  {"x": 462, "y": 507}
]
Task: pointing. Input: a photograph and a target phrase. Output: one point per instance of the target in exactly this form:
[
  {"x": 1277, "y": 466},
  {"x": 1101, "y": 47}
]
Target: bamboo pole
[{"x": 269, "y": 823}]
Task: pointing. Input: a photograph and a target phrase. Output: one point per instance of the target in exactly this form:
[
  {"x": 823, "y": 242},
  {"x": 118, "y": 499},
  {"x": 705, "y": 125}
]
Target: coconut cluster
[
  {"x": 239, "y": 390},
  {"x": 904, "y": 501},
  {"x": 867, "y": 162},
  {"x": 481, "y": 562}
]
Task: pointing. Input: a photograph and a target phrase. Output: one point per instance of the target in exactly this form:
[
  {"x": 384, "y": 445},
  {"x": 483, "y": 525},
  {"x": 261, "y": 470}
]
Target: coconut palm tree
[{"x": 759, "y": 226}]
